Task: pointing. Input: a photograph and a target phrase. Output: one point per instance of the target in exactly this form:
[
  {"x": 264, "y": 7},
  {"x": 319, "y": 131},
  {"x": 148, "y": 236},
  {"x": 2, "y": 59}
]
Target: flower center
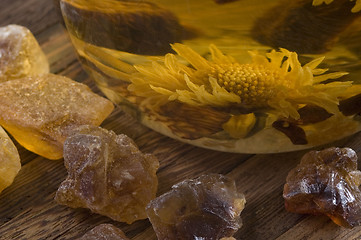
[{"x": 253, "y": 83}]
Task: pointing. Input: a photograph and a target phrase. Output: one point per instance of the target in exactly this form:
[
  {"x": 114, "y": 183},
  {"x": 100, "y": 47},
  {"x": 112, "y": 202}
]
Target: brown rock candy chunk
[
  {"x": 207, "y": 208},
  {"x": 41, "y": 111},
  {"x": 326, "y": 182},
  {"x": 107, "y": 174},
  {"x": 104, "y": 232},
  {"x": 9, "y": 160},
  {"x": 20, "y": 54}
]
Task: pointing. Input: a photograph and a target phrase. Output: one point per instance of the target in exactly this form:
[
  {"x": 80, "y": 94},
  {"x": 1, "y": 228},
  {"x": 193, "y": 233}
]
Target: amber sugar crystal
[
  {"x": 207, "y": 208},
  {"x": 104, "y": 232},
  {"x": 41, "y": 111},
  {"x": 9, "y": 160},
  {"x": 108, "y": 175},
  {"x": 20, "y": 54},
  {"x": 326, "y": 182}
]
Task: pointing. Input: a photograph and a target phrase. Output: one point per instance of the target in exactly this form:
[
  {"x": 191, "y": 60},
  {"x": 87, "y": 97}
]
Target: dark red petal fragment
[
  {"x": 351, "y": 106},
  {"x": 295, "y": 133}
]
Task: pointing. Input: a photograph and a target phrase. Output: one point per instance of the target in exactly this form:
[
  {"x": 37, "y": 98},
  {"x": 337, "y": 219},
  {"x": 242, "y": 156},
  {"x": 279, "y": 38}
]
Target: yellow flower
[
  {"x": 356, "y": 8},
  {"x": 275, "y": 83}
]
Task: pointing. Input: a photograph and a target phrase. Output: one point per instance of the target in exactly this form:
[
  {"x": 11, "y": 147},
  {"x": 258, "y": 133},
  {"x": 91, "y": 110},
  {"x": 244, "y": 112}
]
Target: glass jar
[{"x": 248, "y": 76}]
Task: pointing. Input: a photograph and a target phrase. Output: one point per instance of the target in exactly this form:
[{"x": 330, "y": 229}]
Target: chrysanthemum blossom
[
  {"x": 356, "y": 8},
  {"x": 275, "y": 82}
]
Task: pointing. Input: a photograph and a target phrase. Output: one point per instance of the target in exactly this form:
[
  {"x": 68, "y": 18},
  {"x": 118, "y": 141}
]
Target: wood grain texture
[{"x": 28, "y": 209}]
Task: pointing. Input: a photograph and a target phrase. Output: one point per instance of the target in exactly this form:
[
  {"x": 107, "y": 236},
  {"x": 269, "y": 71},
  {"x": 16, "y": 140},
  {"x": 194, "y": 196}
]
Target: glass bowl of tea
[{"x": 247, "y": 76}]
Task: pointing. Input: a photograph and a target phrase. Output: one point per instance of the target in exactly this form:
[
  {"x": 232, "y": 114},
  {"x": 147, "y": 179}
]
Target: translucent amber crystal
[
  {"x": 207, "y": 207},
  {"x": 104, "y": 232},
  {"x": 41, "y": 111},
  {"x": 9, "y": 160},
  {"x": 326, "y": 182},
  {"x": 108, "y": 175},
  {"x": 20, "y": 54}
]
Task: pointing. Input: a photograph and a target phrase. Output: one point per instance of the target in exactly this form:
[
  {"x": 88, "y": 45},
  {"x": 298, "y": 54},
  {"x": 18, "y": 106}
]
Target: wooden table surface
[{"x": 28, "y": 209}]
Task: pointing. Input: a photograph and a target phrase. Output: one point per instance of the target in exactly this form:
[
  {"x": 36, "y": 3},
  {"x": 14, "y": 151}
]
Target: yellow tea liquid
[{"x": 126, "y": 46}]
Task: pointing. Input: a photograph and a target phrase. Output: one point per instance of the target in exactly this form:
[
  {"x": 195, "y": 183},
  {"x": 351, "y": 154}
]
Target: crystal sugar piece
[
  {"x": 107, "y": 174},
  {"x": 207, "y": 207},
  {"x": 326, "y": 182},
  {"x": 104, "y": 232},
  {"x": 9, "y": 160},
  {"x": 20, "y": 54},
  {"x": 41, "y": 111}
]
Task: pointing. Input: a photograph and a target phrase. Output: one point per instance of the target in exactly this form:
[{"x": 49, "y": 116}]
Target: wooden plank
[
  {"x": 37, "y": 15},
  {"x": 319, "y": 227},
  {"x": 58, "y": 48}
]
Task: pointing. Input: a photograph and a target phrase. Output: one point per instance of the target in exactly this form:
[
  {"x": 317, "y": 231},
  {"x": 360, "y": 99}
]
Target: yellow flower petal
[
  {"x": 356, "y": 8},
  {"x": 191, "y": 56},
  {"x": 314, "y": 63},
  {"x": 238, "y": 126},
  {"x": 319, "y": 2},
  {"x": 162, "y": 91},
  {"x": 329, "y": 76},
  {"x": 218, "y": 57}
]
